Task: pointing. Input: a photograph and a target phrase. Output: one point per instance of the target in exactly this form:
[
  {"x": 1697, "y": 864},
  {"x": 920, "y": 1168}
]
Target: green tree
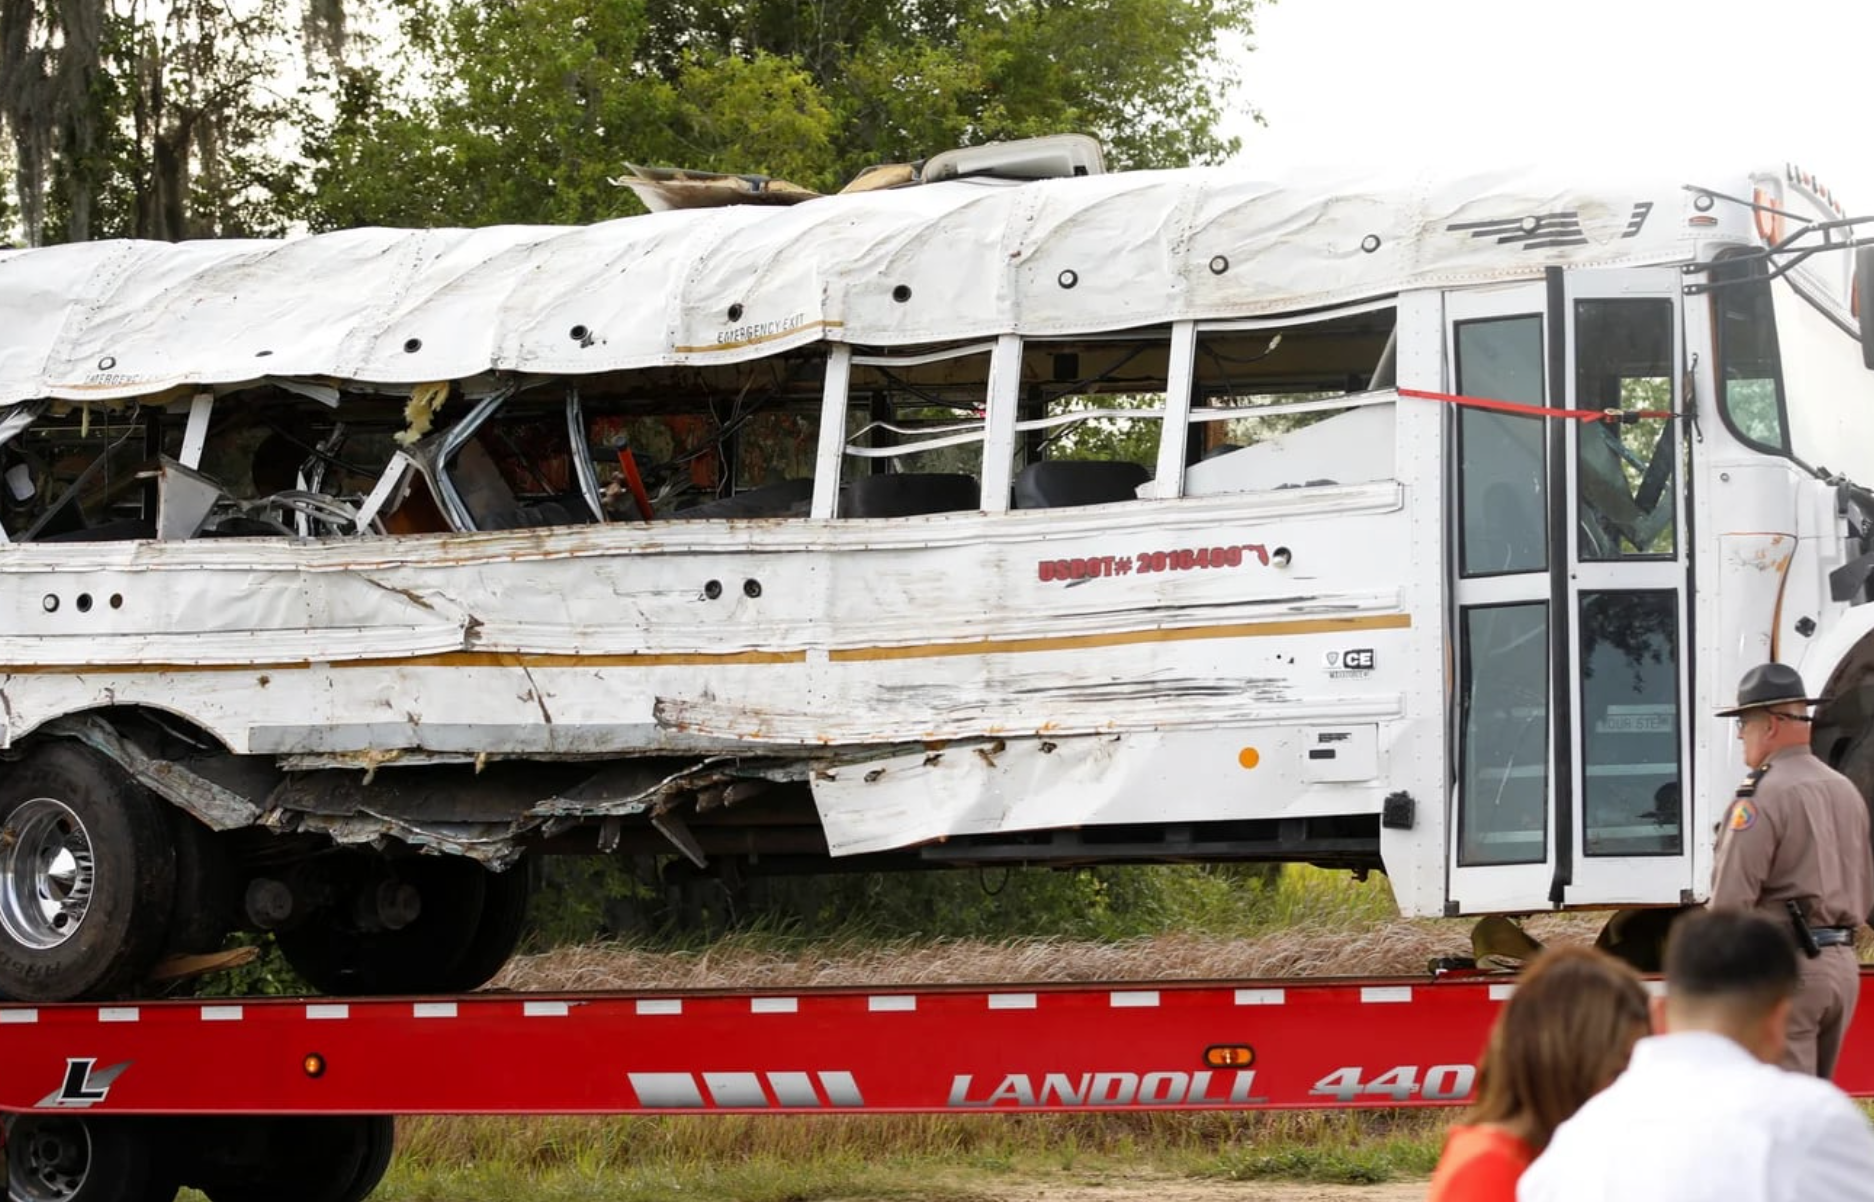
[
  {"x": 155, "y": 120},
  {"x": 9, "y": 216},
  {"x": 533, "y": 106},
  {"x": 527, "y": 108}
]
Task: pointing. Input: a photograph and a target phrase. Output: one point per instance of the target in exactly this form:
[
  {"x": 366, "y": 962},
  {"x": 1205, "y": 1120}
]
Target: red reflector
[{"x": 1229, "y": 1055}]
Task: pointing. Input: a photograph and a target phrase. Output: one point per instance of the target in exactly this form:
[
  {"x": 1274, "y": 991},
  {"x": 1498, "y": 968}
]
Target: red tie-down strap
[{"x": 1580, "y": 415}]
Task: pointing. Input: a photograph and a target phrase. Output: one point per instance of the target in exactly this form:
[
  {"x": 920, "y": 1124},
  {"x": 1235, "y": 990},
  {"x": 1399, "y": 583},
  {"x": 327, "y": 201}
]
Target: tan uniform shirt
[{"x": 1803, "y": 836}]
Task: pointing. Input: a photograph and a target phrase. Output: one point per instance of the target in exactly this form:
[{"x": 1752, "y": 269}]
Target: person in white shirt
[{"x": 1702, "y": 1112}]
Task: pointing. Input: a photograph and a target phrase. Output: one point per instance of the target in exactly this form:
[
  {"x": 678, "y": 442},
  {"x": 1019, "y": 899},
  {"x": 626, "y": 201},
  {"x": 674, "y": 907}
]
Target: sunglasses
[{"x": 1743, "y": 719}]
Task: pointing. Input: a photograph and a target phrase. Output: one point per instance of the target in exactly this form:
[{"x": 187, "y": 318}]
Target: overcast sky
[{"x": 1618, "y": 81}]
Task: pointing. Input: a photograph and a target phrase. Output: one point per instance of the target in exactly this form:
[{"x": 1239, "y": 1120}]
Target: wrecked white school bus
[{"x": 1398, "y": 524}]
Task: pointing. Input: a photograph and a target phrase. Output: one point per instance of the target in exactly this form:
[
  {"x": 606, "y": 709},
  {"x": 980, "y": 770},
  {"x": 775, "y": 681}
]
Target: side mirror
[{"x": 1864, "y": 301}]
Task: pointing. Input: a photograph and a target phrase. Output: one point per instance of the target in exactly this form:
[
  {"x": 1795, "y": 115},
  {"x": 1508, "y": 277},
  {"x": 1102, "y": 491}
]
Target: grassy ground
[{"x": 782, "y": 1159}]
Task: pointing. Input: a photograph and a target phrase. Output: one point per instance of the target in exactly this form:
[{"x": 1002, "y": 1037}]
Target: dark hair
[
  {"x": 1731, "y": 955},
  {"x": 1563, "y": 1036}
]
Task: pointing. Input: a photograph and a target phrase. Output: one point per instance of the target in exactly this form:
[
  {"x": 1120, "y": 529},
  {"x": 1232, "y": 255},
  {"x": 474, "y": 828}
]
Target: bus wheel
[
  {"x": 87, "y": 877},
  {"x": 1638, "y": 936},
  {"x": 206, "y": 899},
  {"x": 446, "y": 948},
  {"x": 70, "y": 1159},
  {"x": 497, "y": 932},
  {"x": 323, "y": 1158}
]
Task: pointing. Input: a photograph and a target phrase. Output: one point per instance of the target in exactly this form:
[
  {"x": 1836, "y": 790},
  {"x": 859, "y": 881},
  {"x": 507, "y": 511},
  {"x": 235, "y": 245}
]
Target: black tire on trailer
[
  {"x": 503, "y": 921},
  {"x": 336, "y": 958},
  {"x": 87, "y": 876},
  {"x": 68, "y": 1158},
  {"x": 206, "y": 900},
  {"x": 308, "y": 1158}
]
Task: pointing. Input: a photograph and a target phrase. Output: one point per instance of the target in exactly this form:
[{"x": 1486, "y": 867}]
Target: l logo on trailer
[{"x": 81, "y": 1088}]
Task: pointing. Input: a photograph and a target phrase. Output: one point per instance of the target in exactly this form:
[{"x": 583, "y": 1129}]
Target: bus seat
[
  {"x": 789, "y": 498},
  {"x": 492, "y": 503},
  {"x": 528, "y": 516},
  {"x": 1060, "y": 483},
  {"x": 121, "y": 530},
  {"x": 908, "y": 493}
]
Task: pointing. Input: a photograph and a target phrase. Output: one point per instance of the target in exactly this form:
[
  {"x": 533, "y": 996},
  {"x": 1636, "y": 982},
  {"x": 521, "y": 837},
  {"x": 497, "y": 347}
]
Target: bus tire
[
  {"x": 1857, "y": 764},
  {"x": 335, "y": 957},
  {"x": 498, "y": 933},
  {"x": 205, "y": 906},
  {"x": 87, "y": 876}
]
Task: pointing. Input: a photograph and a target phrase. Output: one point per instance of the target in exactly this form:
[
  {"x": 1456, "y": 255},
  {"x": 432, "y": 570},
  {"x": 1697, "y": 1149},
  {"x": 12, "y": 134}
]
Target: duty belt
[{"x": 1833, "y": 936}]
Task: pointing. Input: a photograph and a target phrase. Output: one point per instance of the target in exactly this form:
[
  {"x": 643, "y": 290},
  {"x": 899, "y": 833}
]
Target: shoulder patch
[{"x": 1743, "y": 816}]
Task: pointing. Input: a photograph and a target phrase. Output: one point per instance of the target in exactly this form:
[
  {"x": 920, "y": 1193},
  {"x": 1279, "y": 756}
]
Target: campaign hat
[{"x": 1769, "y": 684}]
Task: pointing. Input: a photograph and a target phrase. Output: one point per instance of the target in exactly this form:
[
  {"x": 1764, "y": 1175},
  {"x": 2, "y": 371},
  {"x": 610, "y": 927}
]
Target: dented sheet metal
[
  {"x": 602, "y": 639},
  {"x": 914, "y": 708},
  {"x": 215, "y": 806},
  {"x": 967, "y": 258},
  {"x": 1151, "y": 777}
]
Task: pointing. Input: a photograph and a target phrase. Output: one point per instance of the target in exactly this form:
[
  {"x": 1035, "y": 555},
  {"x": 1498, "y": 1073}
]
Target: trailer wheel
[
  {"x": 323, "y": 1158},
  {"x": 379, "y": 1133},
  {"x": 336, "y": 957},
  {"x": 87, "y": 877},
  {"x": 68, "y": 1159}
]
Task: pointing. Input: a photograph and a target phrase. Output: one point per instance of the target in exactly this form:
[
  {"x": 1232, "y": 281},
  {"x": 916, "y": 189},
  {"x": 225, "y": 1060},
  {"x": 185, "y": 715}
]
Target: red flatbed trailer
[{"x": 169, "y": 1081}]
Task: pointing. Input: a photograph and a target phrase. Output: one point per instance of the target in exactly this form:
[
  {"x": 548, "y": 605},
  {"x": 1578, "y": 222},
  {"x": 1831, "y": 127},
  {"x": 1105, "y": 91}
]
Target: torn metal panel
[
  {"x": 215, "y": 806},
  {"x": 941, "y": 707},
  {"x": 1146, "y": 777},
  {"x": 184, "y": 499},
  {"x": 433, "y": 794},
  {"x": 632, "y": 788},
  {"x": 672, "y": 828},
  {"x": 493, "y": 844}
]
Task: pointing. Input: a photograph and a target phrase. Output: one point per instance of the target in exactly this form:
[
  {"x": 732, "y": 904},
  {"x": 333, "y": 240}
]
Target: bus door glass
[
  {"x": 1502, "y": 851},
  {"x": 1627, "y": 590}
]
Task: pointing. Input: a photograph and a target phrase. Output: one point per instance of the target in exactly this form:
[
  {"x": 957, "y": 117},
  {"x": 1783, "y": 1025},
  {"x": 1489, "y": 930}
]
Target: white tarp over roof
[{"x": 969, "y": 259}]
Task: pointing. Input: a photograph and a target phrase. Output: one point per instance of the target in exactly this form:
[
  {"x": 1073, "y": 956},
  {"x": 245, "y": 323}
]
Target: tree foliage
[
  {"x": 133, "y": 118},
  {"x": 204, "y": 118},
  {"x": 528, "y": 107}
]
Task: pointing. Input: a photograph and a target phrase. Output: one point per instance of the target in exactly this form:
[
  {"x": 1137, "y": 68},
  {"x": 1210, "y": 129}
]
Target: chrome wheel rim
[
  {"x": 48, "y": 871},
  {"x": 50, "y": 1159}
]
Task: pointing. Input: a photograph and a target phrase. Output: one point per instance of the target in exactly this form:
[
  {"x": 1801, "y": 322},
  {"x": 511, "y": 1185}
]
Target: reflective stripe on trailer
[{"x": 1237, "y": 1045}]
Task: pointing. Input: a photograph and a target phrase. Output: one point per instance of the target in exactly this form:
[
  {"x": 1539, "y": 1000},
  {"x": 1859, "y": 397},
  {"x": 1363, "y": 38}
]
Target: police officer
[{"x": 1797, "y": 832}]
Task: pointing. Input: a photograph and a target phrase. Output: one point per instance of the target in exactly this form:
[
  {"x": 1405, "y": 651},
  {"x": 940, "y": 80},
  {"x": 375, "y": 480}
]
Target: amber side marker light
[
  {"x": 1229, "y": 1055},
  {"x": 314, "y": 1064}
]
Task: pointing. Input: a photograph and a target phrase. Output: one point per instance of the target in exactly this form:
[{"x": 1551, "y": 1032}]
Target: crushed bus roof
[{"x": 961, "y": 259}]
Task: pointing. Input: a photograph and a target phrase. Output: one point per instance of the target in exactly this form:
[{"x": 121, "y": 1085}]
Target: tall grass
[
  {"x": 932, "y": 1156},
  {"x": 1300, "y": 922},
  {"x": 581, "y": 900}
]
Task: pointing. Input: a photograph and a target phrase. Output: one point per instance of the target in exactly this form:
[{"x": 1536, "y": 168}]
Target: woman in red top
[{"x": 1563, "y": 1036}]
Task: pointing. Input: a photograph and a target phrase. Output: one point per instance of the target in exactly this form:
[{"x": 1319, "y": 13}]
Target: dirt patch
[
  {"x": 1149, "y": 1188},
  {"x": 1400, "y": 947}
]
